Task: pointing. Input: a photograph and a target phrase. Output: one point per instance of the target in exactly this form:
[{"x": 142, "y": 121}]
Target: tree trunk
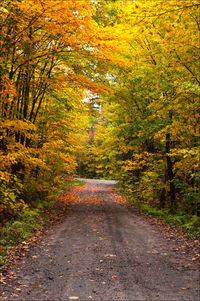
[{"x": 170, "y": 173}]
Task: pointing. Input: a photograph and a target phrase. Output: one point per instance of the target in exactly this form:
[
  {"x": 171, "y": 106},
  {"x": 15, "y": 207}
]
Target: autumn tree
[
  {"x": 150, "y": 130},
  {"x": 48, "y": 52}
]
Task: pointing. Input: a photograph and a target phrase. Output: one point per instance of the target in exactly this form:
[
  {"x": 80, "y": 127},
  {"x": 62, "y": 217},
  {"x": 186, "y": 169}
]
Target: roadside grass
[
  {"x": 190, "y": 224},
  {"x": 187, "y": 223},
  {"x": 21, "y": 228},
  {"x": 76, "y": 182}
]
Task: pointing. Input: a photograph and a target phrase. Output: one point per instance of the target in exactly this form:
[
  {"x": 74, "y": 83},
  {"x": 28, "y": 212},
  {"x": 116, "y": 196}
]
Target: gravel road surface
[{"x": 104, "y": 250}]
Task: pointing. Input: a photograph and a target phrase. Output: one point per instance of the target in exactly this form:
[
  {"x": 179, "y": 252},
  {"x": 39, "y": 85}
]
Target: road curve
[{"x": 104, "y": 251}]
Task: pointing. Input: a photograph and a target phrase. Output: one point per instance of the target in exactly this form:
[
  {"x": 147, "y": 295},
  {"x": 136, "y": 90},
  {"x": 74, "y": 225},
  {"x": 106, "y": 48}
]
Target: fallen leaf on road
[
  {"x": 1, "y": 281},
  {"x": 155, "y": 252},
  {"x": 195, "y": 258}
]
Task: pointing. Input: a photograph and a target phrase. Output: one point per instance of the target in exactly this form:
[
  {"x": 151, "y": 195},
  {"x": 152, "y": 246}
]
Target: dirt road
[{"x": 105, "y": 250}]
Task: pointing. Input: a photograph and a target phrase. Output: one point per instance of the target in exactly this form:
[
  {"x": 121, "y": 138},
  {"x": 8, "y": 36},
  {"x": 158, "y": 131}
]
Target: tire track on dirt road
[{"x": 104, "y": 250}]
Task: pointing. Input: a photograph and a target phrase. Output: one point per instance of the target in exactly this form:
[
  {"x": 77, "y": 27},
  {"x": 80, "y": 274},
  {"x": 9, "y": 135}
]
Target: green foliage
[
  {"x": 147, "y": 133},
  {"x": 10, "y": 202},
  {"x": 189, "y": 194},
  {"x": 78, "y": 183},
  {"x": 15, "y": 231},
  {"x": 188, "y": 223},
  {"x": 153, "y": 211},
  {"x": 193, "y": 225},
  {"x": 19, "y": 230}
]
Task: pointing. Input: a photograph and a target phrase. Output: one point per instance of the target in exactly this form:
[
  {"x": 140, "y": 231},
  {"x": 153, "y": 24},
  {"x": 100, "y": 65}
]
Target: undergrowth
[
  {"x": 179, "y": 219},
  {"x": 190, "y": 224},
  {"x": 20, "y": 228}
]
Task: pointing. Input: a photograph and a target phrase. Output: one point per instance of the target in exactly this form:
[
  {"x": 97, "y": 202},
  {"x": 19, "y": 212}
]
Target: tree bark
[{"x": 170, "y": 173}]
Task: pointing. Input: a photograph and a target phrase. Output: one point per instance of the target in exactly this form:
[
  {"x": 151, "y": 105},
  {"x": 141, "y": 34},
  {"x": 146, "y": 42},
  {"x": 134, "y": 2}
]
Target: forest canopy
[{"x": 104, "y": 88}]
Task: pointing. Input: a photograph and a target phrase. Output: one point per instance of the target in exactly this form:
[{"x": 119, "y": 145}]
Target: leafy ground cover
[
  {"x": 190, "y": 224},
  {"x": 20, "y": 232}
]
